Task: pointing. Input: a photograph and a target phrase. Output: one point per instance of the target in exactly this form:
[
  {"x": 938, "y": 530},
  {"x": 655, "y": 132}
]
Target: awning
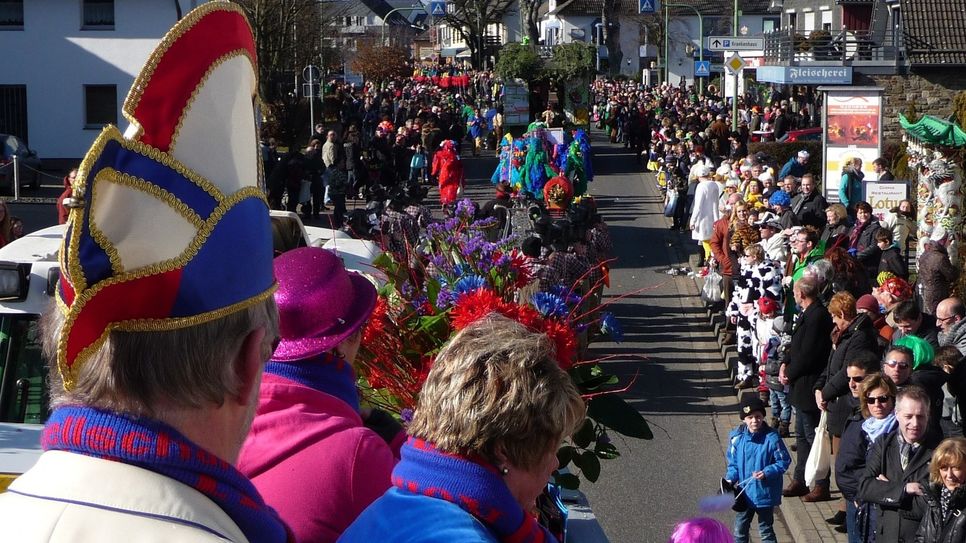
[
  {"x": 452, "y": 52},
  {"x": 935, "y": 131}
]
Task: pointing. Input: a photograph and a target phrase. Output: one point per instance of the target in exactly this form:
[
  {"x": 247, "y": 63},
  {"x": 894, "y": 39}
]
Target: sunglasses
[
  {"x": 858, "y": 379},
  {"x": 897, "y": 364},
  {"x": 878, "y": 399}
]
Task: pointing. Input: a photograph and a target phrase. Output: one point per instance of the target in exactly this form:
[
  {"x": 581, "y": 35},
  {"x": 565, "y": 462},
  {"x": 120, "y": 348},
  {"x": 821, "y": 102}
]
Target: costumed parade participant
[
  {"x": 448, "y": 169},
  {"x": 159, "y": 341}
]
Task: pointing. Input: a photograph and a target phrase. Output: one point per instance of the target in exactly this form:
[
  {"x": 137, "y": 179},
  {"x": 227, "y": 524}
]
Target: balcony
[{"x": 862, "y": 49}]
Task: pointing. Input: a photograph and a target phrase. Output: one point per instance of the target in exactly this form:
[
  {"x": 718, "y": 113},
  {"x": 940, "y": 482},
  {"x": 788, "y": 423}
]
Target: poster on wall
[
  {"x": 853, "y": 120},
  {"x": 853, "y": 117},
  {"x": 835, "y": 160},
  {"x": 516, "y": 103},
  {"x": 884, "y": 196}
]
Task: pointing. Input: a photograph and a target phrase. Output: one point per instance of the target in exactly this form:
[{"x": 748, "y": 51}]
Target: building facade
[{"x": 70, "y": 63}]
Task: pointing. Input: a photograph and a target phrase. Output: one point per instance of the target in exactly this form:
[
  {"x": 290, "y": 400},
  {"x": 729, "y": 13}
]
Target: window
[
  {"x": 98, "y": 14},
  {"x": 100, "y": 105},
  {"x": 793, "y": 20},
  {"x": 770, "y": 24},
  {"x": 11, "y": 14}
]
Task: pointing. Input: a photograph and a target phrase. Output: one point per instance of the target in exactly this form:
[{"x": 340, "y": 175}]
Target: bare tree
[
  {"x": 610, "y": 19},
  {"x": 288, "y": 37},
  {"x": 529, "y": 17},
  {"x": 469, "y": 18}
]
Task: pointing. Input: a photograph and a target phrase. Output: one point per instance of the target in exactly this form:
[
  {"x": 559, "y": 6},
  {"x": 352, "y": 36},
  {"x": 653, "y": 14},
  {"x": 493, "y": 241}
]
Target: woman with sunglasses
[{"x": 876, "y": 394}]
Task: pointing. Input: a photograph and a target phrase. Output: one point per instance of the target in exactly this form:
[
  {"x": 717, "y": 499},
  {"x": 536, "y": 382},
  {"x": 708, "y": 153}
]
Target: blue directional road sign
[
  {"x": 702, "y": 68},
  {"x": 648, "y": 6},
  {"x": 437, "y": 8}
]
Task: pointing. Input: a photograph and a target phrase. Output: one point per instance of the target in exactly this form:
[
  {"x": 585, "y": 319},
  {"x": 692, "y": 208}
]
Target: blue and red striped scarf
[
  {"x": 324, "y": 372},
  {"x": 475, "y": 486},
  {"x": 157, "y": 447}
]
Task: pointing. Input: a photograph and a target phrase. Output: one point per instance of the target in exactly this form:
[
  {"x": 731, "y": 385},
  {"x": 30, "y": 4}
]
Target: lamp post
[
  {"x": 385, "y": 19},
  {"x": 667, "y": 68},
  {"x": 734, "y": 99}
]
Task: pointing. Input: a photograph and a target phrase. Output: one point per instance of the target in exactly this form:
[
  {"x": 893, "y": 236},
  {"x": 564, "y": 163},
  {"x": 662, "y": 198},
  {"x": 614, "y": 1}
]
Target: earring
[{"x": 504, "y": 470}]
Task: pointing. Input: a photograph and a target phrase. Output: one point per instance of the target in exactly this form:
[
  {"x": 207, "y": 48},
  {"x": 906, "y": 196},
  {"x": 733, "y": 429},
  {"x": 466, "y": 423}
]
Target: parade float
[
  {"x": 455, "y": 277},
  {"x": 934, "y": 147}
]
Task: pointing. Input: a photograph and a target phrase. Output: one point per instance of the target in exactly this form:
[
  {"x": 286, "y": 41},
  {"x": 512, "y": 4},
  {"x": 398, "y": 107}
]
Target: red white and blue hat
[{"x": 173, "y": 228}]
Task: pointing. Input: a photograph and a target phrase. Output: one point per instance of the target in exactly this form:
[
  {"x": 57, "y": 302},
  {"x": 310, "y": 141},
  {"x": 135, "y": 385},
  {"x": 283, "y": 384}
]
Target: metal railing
[{"x": 789, "y": 45}]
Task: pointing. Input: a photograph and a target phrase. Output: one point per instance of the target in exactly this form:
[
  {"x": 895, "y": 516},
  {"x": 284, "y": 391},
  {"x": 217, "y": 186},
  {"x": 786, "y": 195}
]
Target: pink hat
[
  {"x": 868, "y": 303},
  {"x": 320, "y": 304}
]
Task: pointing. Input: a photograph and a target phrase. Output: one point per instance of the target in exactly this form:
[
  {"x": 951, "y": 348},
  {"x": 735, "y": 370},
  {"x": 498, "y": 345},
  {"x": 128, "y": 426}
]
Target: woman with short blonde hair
[
  {"x": 493, "y": 411},
  {"x": 945, "y": 495}
]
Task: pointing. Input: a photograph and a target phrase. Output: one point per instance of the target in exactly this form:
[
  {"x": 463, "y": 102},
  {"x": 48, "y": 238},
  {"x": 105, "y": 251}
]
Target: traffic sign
[
  {"x": 310, "y": 90},
  {"x": 702, "y": 68},
  {"x": 735, "y": 63},
  {"x": 648, "y": 6},
  {"x": 437, "y": 8},
  {"x": 311, "y": 74},
  {"x": 731, "y": 43}
]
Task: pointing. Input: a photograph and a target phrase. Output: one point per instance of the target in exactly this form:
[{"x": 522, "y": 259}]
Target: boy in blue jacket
[{"x": 757, "y": 459}]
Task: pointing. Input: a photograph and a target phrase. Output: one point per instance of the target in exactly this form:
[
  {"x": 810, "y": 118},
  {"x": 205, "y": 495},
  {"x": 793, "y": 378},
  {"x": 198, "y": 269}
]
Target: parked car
[
  {"x": 805, "y": 134},
  {"x": 27, "y": 162}
]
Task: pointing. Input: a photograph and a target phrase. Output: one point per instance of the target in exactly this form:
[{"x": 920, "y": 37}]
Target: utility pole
[{"x": 734, "y": 99}]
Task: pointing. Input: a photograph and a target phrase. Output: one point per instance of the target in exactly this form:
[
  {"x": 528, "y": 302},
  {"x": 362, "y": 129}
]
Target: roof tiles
[{"x": 934, "y": 31}]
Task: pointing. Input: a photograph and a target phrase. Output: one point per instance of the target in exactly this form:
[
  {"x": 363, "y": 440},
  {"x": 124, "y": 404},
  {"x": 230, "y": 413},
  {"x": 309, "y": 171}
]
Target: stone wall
[{"x": 932, "y": 92}]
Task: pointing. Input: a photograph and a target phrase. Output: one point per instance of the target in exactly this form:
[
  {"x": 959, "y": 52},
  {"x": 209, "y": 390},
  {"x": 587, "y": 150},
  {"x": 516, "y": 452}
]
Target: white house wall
[{"x": 54, "y": 58}]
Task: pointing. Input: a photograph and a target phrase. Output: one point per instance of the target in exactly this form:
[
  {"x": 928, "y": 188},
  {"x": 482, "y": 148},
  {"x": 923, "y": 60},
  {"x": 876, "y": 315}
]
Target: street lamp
[
  {"x": 385, "y": 19},
  {"x": 667, "y": 68}
]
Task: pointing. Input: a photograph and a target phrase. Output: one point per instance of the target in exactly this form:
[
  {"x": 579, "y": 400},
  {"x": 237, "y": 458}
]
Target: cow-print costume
[{"x": 761, "y": 279}]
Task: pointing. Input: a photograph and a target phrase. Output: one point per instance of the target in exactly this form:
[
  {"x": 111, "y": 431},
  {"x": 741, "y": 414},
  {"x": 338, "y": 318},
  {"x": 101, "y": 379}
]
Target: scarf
[
  {"x": 157, "y": 447},
  {"x": 472, "y": 484},
  {"x": 325, "y": 372},
  {"x": 874, "y": 427},
  {"x": 944, "y": 498},
  {"x": 855, "y": 233}
]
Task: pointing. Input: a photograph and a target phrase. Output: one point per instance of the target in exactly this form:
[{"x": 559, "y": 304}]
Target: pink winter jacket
[{"x": 312, "y": 459}]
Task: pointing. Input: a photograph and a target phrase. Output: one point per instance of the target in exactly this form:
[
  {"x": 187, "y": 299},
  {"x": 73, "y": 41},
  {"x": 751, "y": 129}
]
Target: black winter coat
[
  {"x": 899, "y": 513},
  {"x": 933, "y": 528},
  {"x": 859, "y": 338},
  {"x": 891, "y": 261},
  {"x": 808, "y": 355},
  {"x": 868, "y": 252},
  {"x": 810, "y": 209},
  {"x": 931, "y": 379},
  {"x": 851, "y": 456}
]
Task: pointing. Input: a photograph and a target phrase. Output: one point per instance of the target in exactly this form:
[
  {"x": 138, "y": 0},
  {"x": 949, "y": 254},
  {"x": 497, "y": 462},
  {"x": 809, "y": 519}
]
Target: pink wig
[{"x": 701, "y": 530}]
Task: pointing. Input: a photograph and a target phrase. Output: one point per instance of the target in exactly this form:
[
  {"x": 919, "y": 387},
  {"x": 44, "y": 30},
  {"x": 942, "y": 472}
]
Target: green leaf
[
  {"x": 584, "y": 435},
  {"x": 613, "y": 412},
  {"x": 590, "y": 466},
  {"x": 597, "y": 382},
  {"x": 432, "y": 290},
  {"x": 607, "y": 451},
  {"x": 564, "y": 455},
  {"x": 567, "y": 480}
]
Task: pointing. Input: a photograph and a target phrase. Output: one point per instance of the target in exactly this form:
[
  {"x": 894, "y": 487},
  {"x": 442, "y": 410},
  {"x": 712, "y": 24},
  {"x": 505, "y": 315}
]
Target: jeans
[
  {"x": 780, "y": 407},
  {"x": 805, "y": 423},
  {"x": 853, "y": 528},
  {"x": 766, "y": 521}
]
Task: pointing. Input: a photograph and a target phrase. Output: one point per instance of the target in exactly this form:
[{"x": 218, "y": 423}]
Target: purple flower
[
  {"x": 445, "y": 298},
  {"x": 406, "y": 415},
  {"x": 406, "y": 288},
  {"x": 465, "y": 209}
]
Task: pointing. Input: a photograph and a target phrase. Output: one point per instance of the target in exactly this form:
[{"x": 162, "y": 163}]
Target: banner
[
  {"x": 884, "y": 196},
  {"x": 853, "y": 119}
]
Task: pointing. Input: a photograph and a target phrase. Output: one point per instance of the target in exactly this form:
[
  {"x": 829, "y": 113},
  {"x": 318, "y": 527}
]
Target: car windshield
[{"x": 23, "y": 374}]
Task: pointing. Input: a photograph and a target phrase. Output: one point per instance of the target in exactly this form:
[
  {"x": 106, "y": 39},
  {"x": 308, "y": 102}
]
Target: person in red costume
[
  {"x": 62, "y": 210},
  {"x": 448, "y": 169}
]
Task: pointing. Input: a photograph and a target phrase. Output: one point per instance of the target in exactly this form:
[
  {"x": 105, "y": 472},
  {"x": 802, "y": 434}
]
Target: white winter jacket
[{"x": 72, "y": 498}]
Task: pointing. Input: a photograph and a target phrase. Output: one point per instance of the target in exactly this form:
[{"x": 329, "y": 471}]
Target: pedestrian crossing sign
[
  {"x": 647, "y": 6},
  {"x": 437, "y": 9},
  {"x": 702, "y": 68}
]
